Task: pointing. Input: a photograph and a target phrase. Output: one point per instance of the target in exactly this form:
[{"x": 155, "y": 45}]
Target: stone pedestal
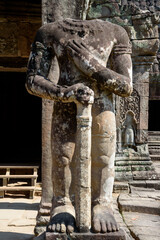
[{"x": 120, "y": 235}]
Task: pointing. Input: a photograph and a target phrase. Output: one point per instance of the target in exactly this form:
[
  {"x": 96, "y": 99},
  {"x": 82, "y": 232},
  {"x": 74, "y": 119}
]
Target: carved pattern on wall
[{"x": 130, "y": 104}]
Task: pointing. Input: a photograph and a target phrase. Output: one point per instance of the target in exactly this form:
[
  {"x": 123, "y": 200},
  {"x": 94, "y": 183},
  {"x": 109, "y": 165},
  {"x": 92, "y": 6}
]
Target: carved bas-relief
[{"x": 82, "y": 50}]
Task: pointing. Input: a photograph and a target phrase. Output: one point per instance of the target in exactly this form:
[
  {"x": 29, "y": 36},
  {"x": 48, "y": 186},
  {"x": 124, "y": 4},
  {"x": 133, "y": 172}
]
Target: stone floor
[
  {"x": 17, "y": 218},
  {"x": 137, "y": 212},
  {"x": 140, "y": 211}
]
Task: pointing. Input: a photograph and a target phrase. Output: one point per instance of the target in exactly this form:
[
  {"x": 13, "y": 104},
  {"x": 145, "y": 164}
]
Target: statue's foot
[
  {"x": 103, "y": 220},
  {"x": 62, "y": 222}
]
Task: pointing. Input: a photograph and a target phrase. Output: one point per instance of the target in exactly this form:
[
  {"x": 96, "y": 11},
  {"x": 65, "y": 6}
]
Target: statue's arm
[
  {"x": 118, "y": 80},
  {"x": 40, "y": 63},
  {"x": 43, "y": 75}
]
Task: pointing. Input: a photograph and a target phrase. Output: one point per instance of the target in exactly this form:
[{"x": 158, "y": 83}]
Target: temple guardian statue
[{"x": 81, "y": 62}]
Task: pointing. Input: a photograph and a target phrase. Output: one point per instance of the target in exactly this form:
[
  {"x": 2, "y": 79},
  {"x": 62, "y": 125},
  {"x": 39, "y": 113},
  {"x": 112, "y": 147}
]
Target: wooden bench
[{"x": 10, "y": 172}]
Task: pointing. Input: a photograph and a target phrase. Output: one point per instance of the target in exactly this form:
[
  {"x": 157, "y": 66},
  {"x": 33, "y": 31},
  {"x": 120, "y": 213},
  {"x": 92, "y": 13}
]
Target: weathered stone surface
[
  {"x": 141, "y": 34},
  {"x": 123, "y": 176},
  {"x": 142, "y": 168},
  {"x": 142, "y": 138},
  {"x": 120, "y": 235},
  {"x": 104, "y": 11},
  {"x": 83, "y": 154},
  {"x": 132, "y": 163},
  {"x": 68, "y": 94},
  {"x": 143, "y": 226},
  {"x": 145, "y": 47},
  {"x": 136, "y": 203},
  {"x": 120, "y": 187},
  {"x": 143, "y": 90},
  {"x": 122, "y": 168},
  {"x": 149, "y": 175}
]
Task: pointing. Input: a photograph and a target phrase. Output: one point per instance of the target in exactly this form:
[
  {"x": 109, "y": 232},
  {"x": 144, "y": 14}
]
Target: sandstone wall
[
  {"x": 19, "y": 21},
  {"x": 140, "y": 18}
]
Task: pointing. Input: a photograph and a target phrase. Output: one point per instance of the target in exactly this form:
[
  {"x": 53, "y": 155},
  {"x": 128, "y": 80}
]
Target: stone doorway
[
  {"x": 154, "y": 130},
  {"x": 20, "y": 121},
  {"x": 154, "y": 115}
]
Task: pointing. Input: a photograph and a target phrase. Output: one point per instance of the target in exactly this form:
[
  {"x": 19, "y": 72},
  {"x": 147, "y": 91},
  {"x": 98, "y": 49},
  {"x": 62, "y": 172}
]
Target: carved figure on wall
[
  {"x": 130, "y": 105},
  {"x": 129, "y": 132},
  {"x": 68, "y": 64}
]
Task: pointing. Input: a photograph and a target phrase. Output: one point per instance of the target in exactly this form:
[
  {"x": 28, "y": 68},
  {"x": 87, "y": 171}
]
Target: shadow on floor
[
  {"x": 19, "y": 206},
  {"x": 15, "y": 236}
]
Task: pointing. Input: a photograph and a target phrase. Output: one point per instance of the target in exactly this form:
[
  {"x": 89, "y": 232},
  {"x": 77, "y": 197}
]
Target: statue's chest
[{"x": 99, "y": 47}]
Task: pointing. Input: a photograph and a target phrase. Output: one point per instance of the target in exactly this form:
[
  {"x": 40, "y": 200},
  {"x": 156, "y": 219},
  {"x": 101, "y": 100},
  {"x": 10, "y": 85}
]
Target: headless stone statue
[{"x": 69, "y": 64}]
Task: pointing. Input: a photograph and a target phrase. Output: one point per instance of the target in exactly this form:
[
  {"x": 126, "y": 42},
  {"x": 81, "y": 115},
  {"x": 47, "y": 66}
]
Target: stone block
[
  {"x": 143, "y": 124},
  {"x": 145, "y": 47},
  {"x": 142, "y": 89},
  {"x": 144, "y": 103},
  {"x": 138, "y": 184},
  {"x": 8, "y": 39},
  {"x": 135, "y": 203},
  {"x": 122, "y": 169},
  {"x": 142, "y": 168},
  {"x": 145, "y": 175},
  {"x": 120, "y": 235},
  {"x": 123, "y": 176},
  {"x": 145, "y": 26},
  {"x": 144, "y": 32},
  {"x": 132, "y": 163},
  {"x": 104, "y": 10},
  {"x": 120, "y": 187},
  {"x": 153, "y": 184}
]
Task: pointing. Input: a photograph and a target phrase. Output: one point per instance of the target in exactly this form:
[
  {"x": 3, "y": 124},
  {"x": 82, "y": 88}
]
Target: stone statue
[
  {"x": 129, "y": 136},
  {"x": 68, "y": 65}
]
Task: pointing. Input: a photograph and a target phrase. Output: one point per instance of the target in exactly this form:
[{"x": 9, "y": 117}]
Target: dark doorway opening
[
  {"x": 154, "y": 115},
  {"x": 21, "y": 121}
]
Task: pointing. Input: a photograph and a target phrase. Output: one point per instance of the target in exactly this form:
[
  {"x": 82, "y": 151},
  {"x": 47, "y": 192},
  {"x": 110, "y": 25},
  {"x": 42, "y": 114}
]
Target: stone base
[{"x": 120, "y": 235}]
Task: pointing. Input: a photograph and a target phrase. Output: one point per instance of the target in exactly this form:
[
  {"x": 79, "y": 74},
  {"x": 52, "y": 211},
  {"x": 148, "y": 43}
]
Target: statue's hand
[
  {"x": 82, "y": 57},
  {"x": 78, "y": 93}
]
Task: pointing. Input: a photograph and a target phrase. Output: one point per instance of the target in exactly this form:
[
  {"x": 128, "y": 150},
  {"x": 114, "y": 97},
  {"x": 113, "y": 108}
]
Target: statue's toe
[
  {"x": 63, "y": 228},
  {"x": 96, "y": 225},
  {"x": 103, "y": 227},
  {"x": 70, "y": 229}
]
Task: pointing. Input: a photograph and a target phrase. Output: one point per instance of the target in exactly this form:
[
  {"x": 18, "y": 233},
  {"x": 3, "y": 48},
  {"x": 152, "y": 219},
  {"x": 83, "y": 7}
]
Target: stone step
[
  {"x": 131, "y": 163},
  {"x": 155, "y": 184},
  {"x": 120, "y": 187},
  {"x": 155, "y": 157},
  {"x": 142, "y": 202},
  {"x": 133, "y": 168}
]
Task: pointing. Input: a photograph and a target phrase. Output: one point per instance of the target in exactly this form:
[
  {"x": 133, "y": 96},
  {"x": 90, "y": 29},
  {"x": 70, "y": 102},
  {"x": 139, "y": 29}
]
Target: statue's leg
[
  {"x": 63, "y": 145},
  {"x": 103, "y": 155}
]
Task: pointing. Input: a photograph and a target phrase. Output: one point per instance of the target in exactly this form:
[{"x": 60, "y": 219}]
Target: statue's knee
[
  {"x": 104, "y": 159},
  {"x": 108, "y": 160},
  {"x": 65, "y": 161}
]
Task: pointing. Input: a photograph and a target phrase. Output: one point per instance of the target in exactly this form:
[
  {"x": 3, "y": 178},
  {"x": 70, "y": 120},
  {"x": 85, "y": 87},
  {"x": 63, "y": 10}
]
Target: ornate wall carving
[{"x": 130, "y": 104}]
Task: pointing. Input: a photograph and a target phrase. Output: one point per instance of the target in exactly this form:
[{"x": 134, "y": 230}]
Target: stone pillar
[
  {"x": 83, "y": 165},
  {"x": 43, "y": 215}
]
